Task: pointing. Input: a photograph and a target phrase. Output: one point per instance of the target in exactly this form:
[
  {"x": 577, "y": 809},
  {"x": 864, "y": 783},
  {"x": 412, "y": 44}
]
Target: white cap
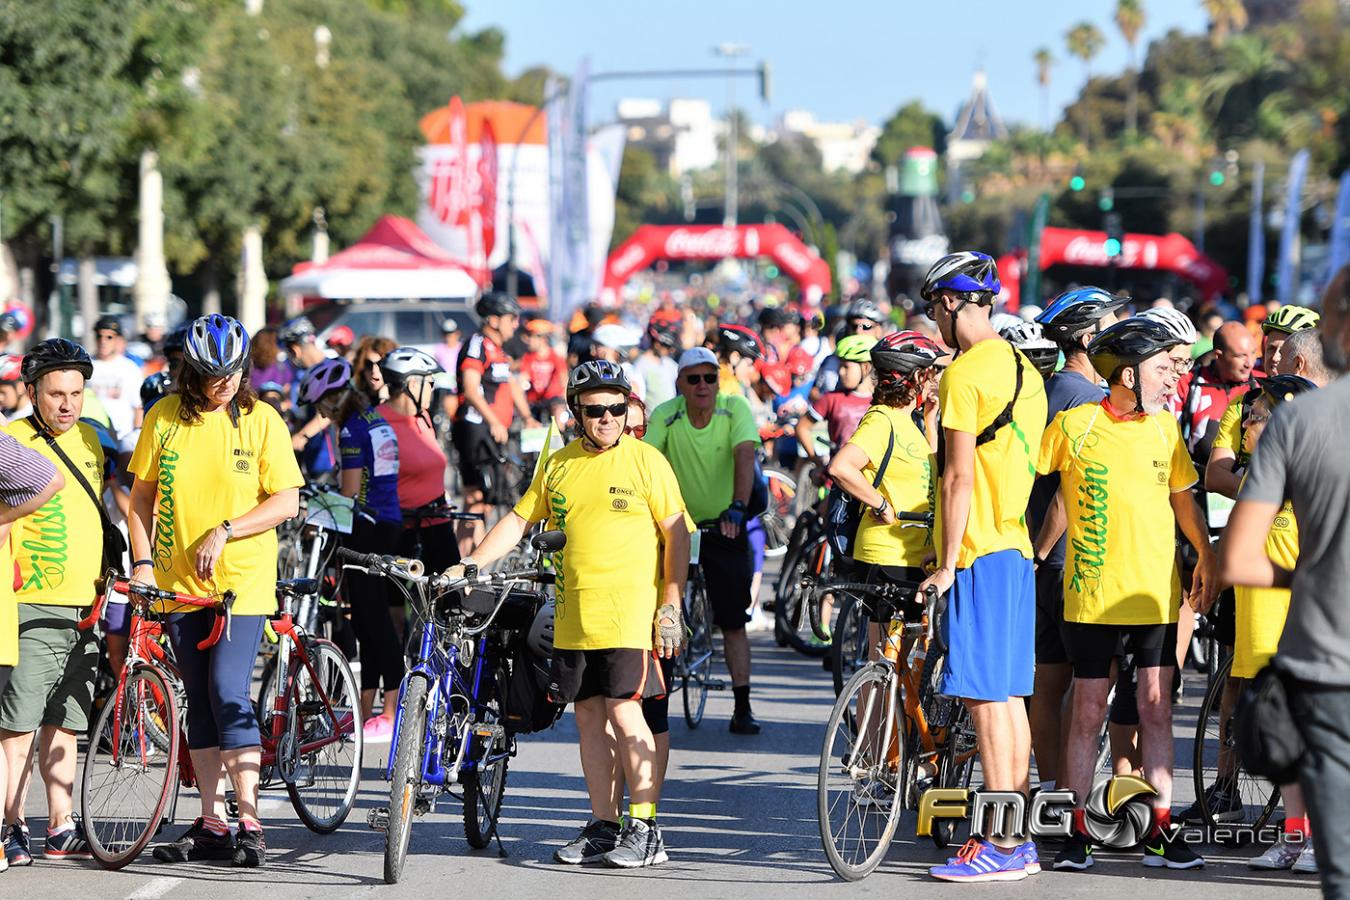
[
  {"x": 616, "y": 336},
  {"x": 697, "y": 356}
]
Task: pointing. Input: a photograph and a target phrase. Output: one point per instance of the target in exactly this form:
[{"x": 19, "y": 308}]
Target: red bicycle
[{"x": 312, "y": 743}]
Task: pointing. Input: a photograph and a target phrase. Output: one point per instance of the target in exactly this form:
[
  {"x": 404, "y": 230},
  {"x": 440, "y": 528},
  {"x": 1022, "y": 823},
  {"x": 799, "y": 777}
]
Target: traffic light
[
  {"x": 1107, "y": 201},
  {"x": 1115, "y": 236},
  {"x": 1217, "y": 177},
  {"x": 1076, "y": 183}
]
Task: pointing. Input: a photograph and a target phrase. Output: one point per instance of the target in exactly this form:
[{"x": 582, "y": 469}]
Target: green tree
[
  {"x": 1084, "y": 41},
  {"x": 1130, "y": 19},
  {"x": 1044, "y": 61},
  {"x": 1226, "y": 17},
  {"x": 912, "y": 125}
]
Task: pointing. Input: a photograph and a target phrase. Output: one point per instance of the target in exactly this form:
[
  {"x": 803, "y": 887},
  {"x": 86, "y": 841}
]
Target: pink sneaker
[{"x": 378, "y": 730}]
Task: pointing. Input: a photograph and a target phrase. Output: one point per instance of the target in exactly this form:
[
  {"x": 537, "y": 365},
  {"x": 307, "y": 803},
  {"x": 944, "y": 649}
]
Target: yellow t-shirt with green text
[
  {"x": 59, "y": 548},
  {"x": 1117, "y": 477},
  {"x": 974, "y": 391},
  {"x": 907, "y": 483},
  {"x": 207, "y": 472},
  {"x": 609, "y": 505}
]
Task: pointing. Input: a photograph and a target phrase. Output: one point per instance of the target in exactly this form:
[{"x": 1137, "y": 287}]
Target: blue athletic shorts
[{"x": 990, "y": 629}]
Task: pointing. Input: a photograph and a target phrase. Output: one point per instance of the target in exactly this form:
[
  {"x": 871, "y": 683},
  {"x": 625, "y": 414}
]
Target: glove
[
  {"x": 670, "y": 638},
  {"x": 735, "y": 513},
  {"x": 466, "y": 568}
]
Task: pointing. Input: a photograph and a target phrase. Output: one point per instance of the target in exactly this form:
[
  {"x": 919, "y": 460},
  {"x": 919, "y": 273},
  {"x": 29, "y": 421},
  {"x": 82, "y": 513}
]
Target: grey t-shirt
[{"x": 1304, "y": 456}]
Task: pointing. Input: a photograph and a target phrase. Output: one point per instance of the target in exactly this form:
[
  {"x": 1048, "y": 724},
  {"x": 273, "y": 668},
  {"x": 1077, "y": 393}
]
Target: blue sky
[{"x": 841, "y": 59}]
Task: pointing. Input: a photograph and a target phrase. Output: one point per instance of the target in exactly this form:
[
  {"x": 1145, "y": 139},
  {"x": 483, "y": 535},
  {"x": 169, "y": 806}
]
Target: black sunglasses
[
  {"x": 598, "y": 410},
  {"x": 864, "y": 324},
  {"x": 706, "y": 378}
]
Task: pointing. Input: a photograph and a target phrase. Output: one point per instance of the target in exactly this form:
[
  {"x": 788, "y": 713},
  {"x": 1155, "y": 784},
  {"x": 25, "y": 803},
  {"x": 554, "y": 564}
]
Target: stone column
[
  {"x": 151, "y": 290},
  {"x": 252, "y": 281}
]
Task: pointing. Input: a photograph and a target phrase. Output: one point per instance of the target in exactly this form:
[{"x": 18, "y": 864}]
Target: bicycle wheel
[
  {"x": 407, "y": 777},
  {"x": 955, "y": 767},
  {"x": 324, "y": 772},
  {"x": 485, "y": 783},
  {"x": 777, "y": 519},
  {"x": 698, "y": 655},
  {"x": 791, "y": 618},
  {"x": 797, "y": 540},
  {"x": 128, "y": 775},
  {"x": 851, "y": 644},
  {"x": 1228, "y": 794},
  {"x": 857, "y": 805}
]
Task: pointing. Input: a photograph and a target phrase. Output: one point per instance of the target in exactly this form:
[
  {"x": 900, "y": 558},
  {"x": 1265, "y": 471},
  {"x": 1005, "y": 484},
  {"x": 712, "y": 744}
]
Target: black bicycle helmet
[
  {"x": 1278, "y": 389},
  {"x": 402, "y": 362},
  {"x": 496, "y": 303},
  {"x": 742, "y": 340},
  {"x": 775, "y": 317},
  {"x": 1128, "y": 343},
  {"x": 905, "y": 352},
  {"x": 864, "y": 309},
  {"x": 54, "y": 355},
  {"x": 1075, "y": 313},
  {"x": 156, "y": 386},
  {"x": 596, "y": 375},
  {"x": 296, "y": 331}
]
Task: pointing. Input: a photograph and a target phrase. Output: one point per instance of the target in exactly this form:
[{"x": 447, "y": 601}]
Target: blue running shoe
[
  {"x": 18, "y": 845},
  {"x": 981, "y": 861},
  {"x": 1031, "y": 860}
]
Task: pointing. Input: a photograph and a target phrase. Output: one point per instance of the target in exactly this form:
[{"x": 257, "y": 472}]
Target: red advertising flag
[
  {"x": 487, "y": 187},
  {"x": 449, "y": 194}
]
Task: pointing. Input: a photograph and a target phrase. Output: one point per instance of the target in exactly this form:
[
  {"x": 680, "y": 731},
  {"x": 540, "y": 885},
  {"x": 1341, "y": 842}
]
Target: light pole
[{"x": 730, "y": 52}]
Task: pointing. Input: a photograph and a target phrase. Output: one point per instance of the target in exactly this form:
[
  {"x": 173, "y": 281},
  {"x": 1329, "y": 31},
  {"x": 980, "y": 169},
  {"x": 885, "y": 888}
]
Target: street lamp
[{"x": 730, "y": 52}]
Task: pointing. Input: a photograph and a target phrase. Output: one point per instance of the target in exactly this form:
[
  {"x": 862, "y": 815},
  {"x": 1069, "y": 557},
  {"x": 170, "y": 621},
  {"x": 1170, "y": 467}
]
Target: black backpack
[
  {"x": 526, "y": 704},
  {"x": 844, "y": 512},
  {"x": 1268, "y": 739}
]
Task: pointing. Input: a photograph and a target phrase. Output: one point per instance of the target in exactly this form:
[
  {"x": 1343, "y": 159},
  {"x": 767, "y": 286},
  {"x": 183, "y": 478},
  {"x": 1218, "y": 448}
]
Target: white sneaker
[
  {"x": 758, "y": 621},
  {"x": 1307, "y": 861},
  {"x": 1282, "y": 854}
]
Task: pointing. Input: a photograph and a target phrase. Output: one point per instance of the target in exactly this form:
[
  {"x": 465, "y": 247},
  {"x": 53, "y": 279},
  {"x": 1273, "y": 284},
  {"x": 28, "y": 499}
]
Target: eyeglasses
[
  {"x": 598, "y": 410},
  {"x": 1255, "y": 418},
  {"x": 930, "y": 312},
  {"x": 862, "y": 325},
  {"x": 369, "y": 365},
  {"x": 1181, "y": 366},
  {"x": 638, "y": 431},
  {"x": 706, "y": 378}
]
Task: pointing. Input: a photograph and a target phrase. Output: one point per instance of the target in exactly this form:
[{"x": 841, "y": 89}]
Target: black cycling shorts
[
  {"x": 728, "y": 569},
  {"x": 656, "y": 710},
  {"x": 1050, "y": 649},
  {"x": 1092, "y": 647},
  {"x": 619, "y": 674},
  {"x": 477, "y": 453},
  {"x": 1223, "y": 616}
]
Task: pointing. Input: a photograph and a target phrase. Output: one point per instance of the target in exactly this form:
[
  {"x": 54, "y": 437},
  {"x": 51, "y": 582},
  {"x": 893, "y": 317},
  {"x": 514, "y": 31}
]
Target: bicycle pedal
[
  {"x": 378, "y": 818},
  {"x": 421, "y": 806},
  {"x": 715, "y": 685}
]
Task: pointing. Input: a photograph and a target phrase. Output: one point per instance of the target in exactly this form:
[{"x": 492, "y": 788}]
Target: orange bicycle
[
  {"x": 129, "y": 791},
  {"x": 891, "y": 735}
]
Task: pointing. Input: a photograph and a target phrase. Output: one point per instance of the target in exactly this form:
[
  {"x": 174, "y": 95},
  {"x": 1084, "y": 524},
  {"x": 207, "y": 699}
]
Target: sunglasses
[
  {"x": 638, "y": 431},
  {"x": 706, "y": 378},
  {"x": 598, "y": 410},
  {"x": 862, "y": 325}
]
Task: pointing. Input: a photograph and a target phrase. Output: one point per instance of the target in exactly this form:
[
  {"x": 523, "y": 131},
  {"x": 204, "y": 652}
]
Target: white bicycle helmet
[
  {"x": 540, "y": 637},
  {"x": 1174, "y": 320}
]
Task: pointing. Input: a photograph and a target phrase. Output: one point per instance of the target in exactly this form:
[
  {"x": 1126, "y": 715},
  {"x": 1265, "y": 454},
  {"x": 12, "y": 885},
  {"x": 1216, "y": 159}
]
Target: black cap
[{"x": 108, "y": 323}]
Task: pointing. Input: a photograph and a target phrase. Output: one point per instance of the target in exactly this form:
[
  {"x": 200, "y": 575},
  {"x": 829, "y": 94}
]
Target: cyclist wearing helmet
[
  {"x": 738, "y": 349},
  {"x": 215, "y": 475},
  {"x": 52, "y": 686},
  {"x": 782, "y": 330},
  {"x": 313, "y": 439},
  {"x": 545, "y": 371},
  {"x": 370, "y": 474},
  {"x": 1125, "y": 476},
  {"x": 1027, "y": 337},
  {"x": 656, "y": 364},
  {"x": 1071, "y": 320},
  {"x": 617, "y": 608},
  {"x": 861, "y": 317},
  {"x": 993, "y": 412},
  {"x": 488, "y": 398},
  {"x": 843, "y": 408},
  {"x": 710, "y": 439},
  {"x": 411, "y": 376}
]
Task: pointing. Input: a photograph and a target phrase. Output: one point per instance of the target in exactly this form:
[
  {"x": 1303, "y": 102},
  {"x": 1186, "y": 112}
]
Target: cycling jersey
[
  {"x": 547, "y": 375},
  {"x": 908, "y": 484},
  {"x": 421, "y": 461},
  {"x": 481, "y": 354},
  {"x": 703, "y": 457},
  {"x": 1117, "y": 477},
  {"x": 1261, "y": 611},
  {"x": 973, "y": 392},
  {"x": 608, "y": 504},
  {"x": 207, "y": 472},
  {"x": 58, "y": 548},
  {"x": 1063, "y": 390},
  {"x": 1230, "y": 431},
  {"x": 366, "y": 442},
  {"x": 841, "y": 411},
  {"x": 1199, "y": 405}
]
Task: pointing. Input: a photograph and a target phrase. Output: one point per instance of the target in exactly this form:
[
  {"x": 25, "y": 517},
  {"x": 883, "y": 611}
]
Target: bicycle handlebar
[{"x": 222, "y": 605}]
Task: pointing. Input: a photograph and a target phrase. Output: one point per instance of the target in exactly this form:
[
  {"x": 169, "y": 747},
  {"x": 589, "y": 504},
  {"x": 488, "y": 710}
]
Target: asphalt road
[{"x": 739, "y": 819}]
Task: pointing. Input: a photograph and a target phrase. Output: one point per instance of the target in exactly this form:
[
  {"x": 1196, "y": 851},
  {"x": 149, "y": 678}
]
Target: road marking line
[{"x": 154, "y": 889}]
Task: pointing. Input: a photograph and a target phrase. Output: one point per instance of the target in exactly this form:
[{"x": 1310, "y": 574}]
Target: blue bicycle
[{"x": 450, "y": 728}]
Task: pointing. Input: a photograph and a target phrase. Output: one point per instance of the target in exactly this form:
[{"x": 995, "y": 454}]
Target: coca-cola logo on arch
[{"x": 713, "y": 243}]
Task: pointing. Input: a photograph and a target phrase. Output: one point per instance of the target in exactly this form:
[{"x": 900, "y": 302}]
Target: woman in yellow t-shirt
[
  {"x": 1260, "y": 614},
  {"x": 904, "y": 366},
  {"x": 215, "y": 475}
]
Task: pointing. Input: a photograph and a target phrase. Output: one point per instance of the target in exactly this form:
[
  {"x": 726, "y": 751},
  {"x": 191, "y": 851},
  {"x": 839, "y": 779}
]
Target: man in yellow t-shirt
[
  {"x": 618, "y": 603},
  {"x": 992, "y": 405},
  {"x": 1125, "y": 479},
  {"x": 58, "y": 551}
]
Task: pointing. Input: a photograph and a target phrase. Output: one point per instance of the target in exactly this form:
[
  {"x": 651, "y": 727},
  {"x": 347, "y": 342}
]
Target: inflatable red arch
[{"x": 712, "y": 242}]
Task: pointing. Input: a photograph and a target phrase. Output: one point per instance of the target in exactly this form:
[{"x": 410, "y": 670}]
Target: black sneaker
[
  {"x": 1224, "y": 804},
  {"x": 744, "y": 723},
  {"x": 1167, "y": 848},
  {"x": 640, "y": 845},
  {"x": 68, "y": 844},
  {"x": 595, "y": 840},
  {"x": 1075, "y": 855},
  {"x": 250, "y": 850},
  {"x": 198, "y": 844},
  {"x": 18, "y": 845}
]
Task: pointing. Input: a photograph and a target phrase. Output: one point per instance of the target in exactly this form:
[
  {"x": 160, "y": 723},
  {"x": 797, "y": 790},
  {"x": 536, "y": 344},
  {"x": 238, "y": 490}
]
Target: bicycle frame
[{"x": 291, "y": 640}]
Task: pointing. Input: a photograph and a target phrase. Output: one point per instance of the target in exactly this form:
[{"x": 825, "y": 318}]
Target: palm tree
[
  {"x": 1085, "y": 41},
  {"x": 1043, "y": 63},
  {"x": 1130, "y": 21},
  {"x": 1225, "y": 18}
]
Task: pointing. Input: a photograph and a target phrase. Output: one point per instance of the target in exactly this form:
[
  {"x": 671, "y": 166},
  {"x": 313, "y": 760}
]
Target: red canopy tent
[{"x": 394, "y": 260}]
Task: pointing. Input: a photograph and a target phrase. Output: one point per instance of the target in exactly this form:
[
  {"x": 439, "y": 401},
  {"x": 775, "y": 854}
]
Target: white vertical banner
[
  {"x": 569, "y": 254},
  {"x": 557, "y": 113}
]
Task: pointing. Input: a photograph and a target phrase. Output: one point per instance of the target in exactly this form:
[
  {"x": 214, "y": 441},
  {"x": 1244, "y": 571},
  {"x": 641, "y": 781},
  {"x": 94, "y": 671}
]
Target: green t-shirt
[{"x": 703, "y": 458}]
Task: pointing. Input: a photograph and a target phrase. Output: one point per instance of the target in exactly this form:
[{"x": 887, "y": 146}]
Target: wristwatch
[
  {"x": 879, "y": 511},
  {"x": 229, "y": 530}
]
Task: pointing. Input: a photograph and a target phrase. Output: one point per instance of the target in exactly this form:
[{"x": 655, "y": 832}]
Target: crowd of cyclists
[{"x": 1059, "y": 452}]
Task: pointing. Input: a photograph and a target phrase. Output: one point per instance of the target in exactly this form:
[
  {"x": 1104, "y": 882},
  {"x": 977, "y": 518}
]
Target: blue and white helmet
[
  {"x": 965, "y": 272},
  {"x": 1077, "y": 312},
  {"x": 216, "y": 346}
]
